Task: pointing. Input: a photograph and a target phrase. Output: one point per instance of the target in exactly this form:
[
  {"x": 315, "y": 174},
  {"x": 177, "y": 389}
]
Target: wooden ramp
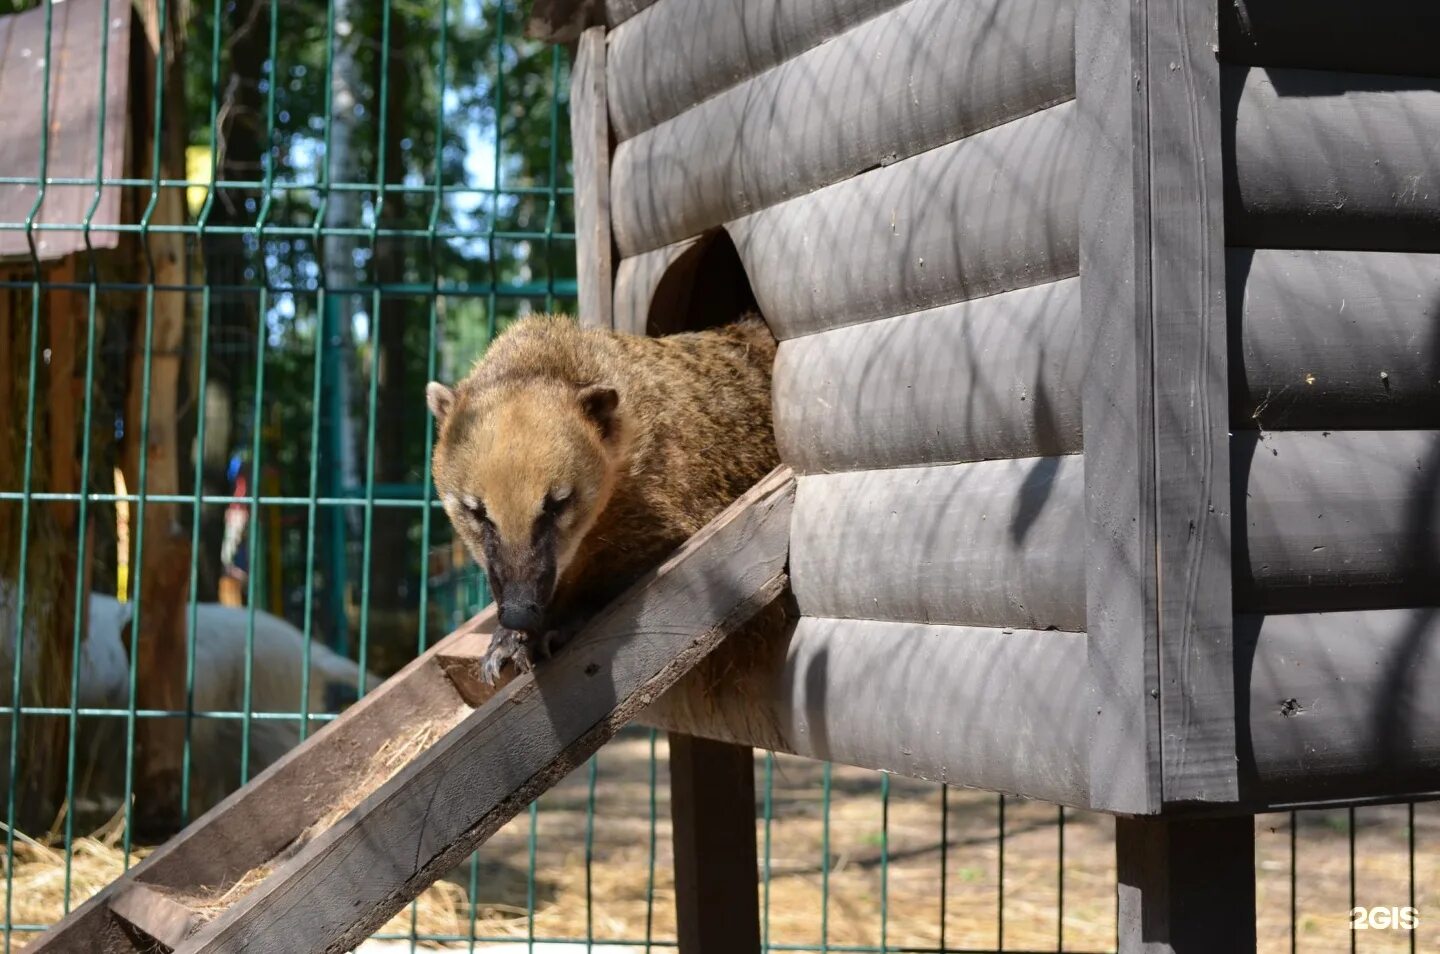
[{"x": 320, "y": 850}]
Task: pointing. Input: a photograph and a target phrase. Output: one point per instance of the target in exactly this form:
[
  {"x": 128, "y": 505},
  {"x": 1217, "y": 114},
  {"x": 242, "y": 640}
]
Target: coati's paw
[{"x": 506, "y": 646}]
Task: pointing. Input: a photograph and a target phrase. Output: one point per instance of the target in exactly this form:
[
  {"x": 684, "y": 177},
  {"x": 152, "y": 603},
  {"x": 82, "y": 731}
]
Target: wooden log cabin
[{"x": 1110, "y": 363}]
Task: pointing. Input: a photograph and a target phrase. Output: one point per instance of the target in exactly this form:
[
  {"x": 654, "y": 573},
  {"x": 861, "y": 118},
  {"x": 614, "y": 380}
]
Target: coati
[{"x": 572, "y": 459}]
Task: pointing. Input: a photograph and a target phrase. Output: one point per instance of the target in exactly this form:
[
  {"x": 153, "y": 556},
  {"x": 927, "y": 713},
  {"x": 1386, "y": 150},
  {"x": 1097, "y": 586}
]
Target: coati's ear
[
  {"x": 599, "y": 403},
  {"x": 441, "y": 399}
]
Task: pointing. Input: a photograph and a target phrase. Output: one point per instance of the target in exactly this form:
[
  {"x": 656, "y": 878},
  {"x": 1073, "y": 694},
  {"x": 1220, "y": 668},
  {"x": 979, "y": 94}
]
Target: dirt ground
[
  {"x": 1019, "y": 895},
  {"x": 891, "y": 878}
]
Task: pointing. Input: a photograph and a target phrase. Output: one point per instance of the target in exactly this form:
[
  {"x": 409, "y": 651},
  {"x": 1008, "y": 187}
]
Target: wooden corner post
[
  {"x": 1156, "y": 436},
  {"x": 1186, "y": 886},
  {"x": 1155, "y": 405},
  {"x": 590, "y": 135}
]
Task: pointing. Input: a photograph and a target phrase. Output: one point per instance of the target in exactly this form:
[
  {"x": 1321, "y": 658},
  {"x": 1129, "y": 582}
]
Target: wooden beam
[
  {"x": 1192, "y": 403},
  {"x": 1317, "y": 159},
  {"x": 590, "y": 135},
  {"x": 996, "y": 377},
  {"x": 1331, "y": 340},
  {"x": 1004, "y": 710},
  {"x": 870, "y": 97},
  {"x": 990, "y": 213},
  {"x": 1339, "y": 705},
  {"x": 351, "y": 878},
  {"x": 689, "y": 50},
  {"x": 989, "y": 543},
  {"x": 1186, "y": 886},
  {"x": 1118, "y": 402},
  {"x": 712, "y": 807},
  {"x": 157, "y": 914},
  {"x": 1336, "y": 520}
]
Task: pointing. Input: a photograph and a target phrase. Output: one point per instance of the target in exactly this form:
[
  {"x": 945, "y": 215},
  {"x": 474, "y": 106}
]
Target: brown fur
[{"x": 690, "y": 432}]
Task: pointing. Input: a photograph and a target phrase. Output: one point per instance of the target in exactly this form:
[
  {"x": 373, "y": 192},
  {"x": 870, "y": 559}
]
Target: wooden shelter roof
[{"x": 83, "y": 33}]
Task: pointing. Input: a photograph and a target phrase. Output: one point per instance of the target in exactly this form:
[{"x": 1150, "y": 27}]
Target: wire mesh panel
[{"x": 236, "y": 239}]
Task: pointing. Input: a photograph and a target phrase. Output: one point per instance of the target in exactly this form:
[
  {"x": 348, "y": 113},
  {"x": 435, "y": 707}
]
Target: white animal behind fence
[{"x": 220, "y": 646}]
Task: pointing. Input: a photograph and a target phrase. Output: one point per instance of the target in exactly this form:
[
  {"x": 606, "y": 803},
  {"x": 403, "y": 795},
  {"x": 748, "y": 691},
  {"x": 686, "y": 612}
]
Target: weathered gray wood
[
  {"x": 590, "y": 135},
  {"x": 1329, "y": 520},
  {"x": 1334, "y": 339},
  {"x": 1384, "y": 36},
  {"x": 991, "y": 543},
  {"x": 712, "y": 806},
  {"x": 987, "y": 214},
  {"x": 888, "y": 89},
  {"x": 1119, "y": 539},
  {"x": 1332, "y": 160},
  {"x": 995, "y": 377},
  {"x": 655, "y": 281},
  {"x": 351, "y": 878},
  {"x": 256, "y": 823},
  {"x": 78, "y": 96},
  {"x": 689, "y": 50},
  {"x": 1186, "y": 886},
  {"x": 158, "y": 915},
  {"x": 997, "y": 709},
  {"x": 1192, "y": 419},
  {"x": 1340, "y": 705}
]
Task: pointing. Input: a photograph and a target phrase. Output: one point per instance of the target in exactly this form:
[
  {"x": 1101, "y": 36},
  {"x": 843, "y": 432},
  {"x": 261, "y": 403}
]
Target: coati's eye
[
  {"x": 474, "y": 509},
  {"x": 556, "y": 501}
]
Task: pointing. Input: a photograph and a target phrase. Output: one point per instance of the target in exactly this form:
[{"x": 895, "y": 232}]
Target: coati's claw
[{"x": 506, "y": 646}]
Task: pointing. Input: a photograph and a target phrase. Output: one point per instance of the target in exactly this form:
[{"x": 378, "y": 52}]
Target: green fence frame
[{"x": 326, "y": 497}]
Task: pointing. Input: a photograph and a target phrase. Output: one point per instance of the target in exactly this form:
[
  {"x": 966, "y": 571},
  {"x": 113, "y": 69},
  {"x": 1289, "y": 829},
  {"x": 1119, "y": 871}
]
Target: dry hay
[{"x": 624, "y": 908}]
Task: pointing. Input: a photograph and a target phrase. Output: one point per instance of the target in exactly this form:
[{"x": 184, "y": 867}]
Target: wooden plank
[
  {"x": 990, "y": 213},
  {"x": 867, "y": 98},
  {"x": 1332, "y": 160},
  {"x": 689, "y": 50},
  {"x": 994, "y": 377},
  {"x": 1334, "y": 339},
  {"x": 991, "y": 543},
  {"x": 1119, "y": 540},
  {"x": 1003, "y": 710},
  {"x": 712, "y": 808},
  {"x": 1186, "y": 886},
  {"x": 348, "y": 881},
  {"x": 590, "y": 135},
  {"x": 1331, "y": 520},
  {"x": 78, "y": 96},
  {"x": 158, "y": 915},
  {"x": 256, "y": 823},
  {"x": 1386, "y": 36},
  {"x": 1192, "y": 419},
  {"x": 1339, "y": 705}
]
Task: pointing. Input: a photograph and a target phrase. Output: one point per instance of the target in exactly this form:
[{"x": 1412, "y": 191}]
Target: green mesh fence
[{"x": 213, "y": 343}]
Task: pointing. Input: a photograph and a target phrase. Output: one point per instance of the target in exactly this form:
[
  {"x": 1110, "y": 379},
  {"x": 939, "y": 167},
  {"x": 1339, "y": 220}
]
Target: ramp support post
[{"x": 712, "y": 808}]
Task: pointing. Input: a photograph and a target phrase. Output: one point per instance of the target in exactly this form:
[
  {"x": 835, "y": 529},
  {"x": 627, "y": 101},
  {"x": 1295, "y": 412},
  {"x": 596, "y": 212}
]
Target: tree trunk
[
  {"x": 158, "y": 641},
  {"x": 49, "y": 548}
]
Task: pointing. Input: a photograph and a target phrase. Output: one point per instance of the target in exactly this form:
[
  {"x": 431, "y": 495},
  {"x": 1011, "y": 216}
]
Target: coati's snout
[{"x": 524, "y": 469}]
